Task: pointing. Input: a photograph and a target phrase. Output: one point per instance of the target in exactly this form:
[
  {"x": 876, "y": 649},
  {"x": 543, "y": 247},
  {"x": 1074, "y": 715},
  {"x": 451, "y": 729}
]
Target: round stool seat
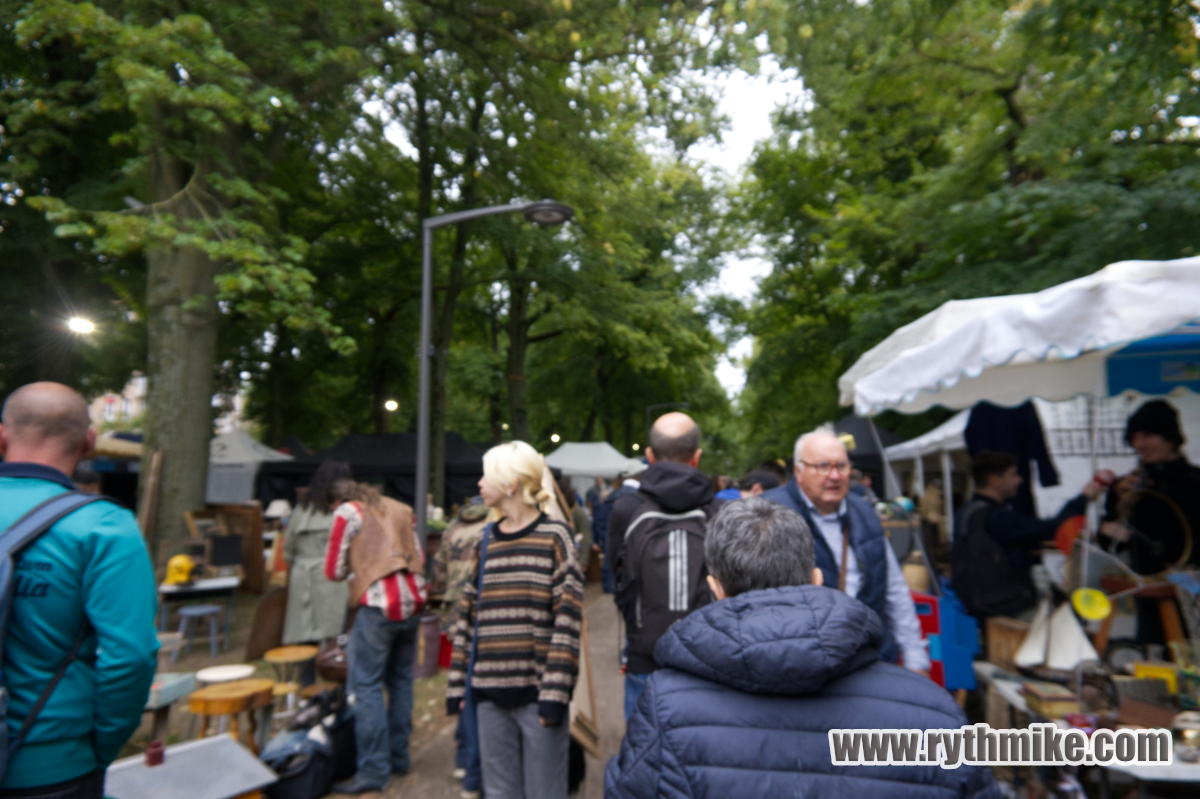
[
  {"x": 231, "y": 699},
  {"x": 309, "y": 691},
  {"x": 215, "y": 675},
  {"x": 288, "y": 655},
  {"x": 285, "y": 688},
  {"x": 199, "y": 611}
]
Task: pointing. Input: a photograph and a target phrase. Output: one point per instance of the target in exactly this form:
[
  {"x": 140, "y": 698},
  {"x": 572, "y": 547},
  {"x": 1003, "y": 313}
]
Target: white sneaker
[
  {"x": 470, "y": 795},
  {"x": 459, "y": 773}
]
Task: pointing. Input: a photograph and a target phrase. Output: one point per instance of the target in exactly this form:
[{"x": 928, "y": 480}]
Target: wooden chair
[{"x": 232, "y": 699}]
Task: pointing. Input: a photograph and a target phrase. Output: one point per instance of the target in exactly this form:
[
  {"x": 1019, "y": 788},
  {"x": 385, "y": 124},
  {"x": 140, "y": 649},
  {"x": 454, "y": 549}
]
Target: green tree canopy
[{"x": 959, "y": 148}]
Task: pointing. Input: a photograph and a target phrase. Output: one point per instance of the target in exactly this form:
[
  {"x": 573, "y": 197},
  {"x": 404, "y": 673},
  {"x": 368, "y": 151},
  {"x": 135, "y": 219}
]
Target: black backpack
[
  {"x": 662, "y": 576},
  {"x": 984, "y": 578}
]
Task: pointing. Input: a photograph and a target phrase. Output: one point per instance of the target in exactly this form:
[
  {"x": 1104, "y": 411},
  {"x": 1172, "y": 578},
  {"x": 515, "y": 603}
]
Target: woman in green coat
[{"x": 316, "y": 606}]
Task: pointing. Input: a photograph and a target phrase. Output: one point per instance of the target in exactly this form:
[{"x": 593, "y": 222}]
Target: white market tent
[
  {"x": 583, "y": 461},
  {"x": 1054, "y": 344},
  {"x": 940, "y": 441},
  {"x": 233, "y": 460},
  {"x": 592, "y": 459}
]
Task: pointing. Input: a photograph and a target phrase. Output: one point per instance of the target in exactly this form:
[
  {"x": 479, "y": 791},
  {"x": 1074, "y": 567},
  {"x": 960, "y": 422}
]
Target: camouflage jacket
[{"x": 455, "y": 559}]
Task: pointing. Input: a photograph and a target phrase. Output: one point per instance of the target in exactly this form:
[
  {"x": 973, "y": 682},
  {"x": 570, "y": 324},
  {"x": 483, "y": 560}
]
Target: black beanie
[{"x": 1156, "y": 416}]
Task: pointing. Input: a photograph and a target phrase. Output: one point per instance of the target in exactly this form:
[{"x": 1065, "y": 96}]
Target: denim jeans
[
  {"x": 466, "y": 738},
  {"x": 634, "y": 685},
  {"x": 381, "y": 652}
]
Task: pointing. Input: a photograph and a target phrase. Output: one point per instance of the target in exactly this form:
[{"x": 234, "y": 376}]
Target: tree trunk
[
  {"x": 275, "y": 386},
  {"x": 182, "y": 321},
  {"x": 518, "y": 342},
  {"x": 495, "y": 399},
  {"x": 589, "y": 426}
]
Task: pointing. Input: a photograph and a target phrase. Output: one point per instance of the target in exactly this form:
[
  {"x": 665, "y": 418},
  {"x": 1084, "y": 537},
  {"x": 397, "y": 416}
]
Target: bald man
[
  {"x": 88, "y": 579},
  {"x": 850, "y": 545},
  {"x": 673, "y": 502}
]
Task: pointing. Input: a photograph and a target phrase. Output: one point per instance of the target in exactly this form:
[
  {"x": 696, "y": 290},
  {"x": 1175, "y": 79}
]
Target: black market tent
[
  {"x": 865, "y": 454},
  {"x": 387, "y": 460},
  {"x": 292, "y": 445}
]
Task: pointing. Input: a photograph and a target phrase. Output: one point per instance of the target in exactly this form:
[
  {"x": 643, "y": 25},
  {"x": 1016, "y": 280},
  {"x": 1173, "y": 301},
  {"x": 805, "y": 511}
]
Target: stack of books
[{"x": 1050, "y": 700}]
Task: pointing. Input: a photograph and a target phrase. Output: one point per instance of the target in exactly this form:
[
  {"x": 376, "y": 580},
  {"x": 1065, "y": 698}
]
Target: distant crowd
[{"x": 758, "y": 613}]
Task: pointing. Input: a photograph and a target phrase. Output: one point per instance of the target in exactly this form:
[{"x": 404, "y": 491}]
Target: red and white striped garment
[{"x": 400, "y": 595}]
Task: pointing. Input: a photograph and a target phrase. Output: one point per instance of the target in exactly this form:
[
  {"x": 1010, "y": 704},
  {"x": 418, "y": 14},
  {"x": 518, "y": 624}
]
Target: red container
[
  {"x": 426, "y": 662},
  {"x": 928, "y": 613},
  {"x": 445, "y": 650}
]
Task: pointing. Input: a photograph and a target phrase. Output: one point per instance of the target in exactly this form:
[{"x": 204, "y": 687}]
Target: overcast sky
[{"x": 748, "y": 101}]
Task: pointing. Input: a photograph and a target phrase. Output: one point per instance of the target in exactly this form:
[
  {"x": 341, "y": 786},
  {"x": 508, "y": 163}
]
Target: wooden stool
[
  {"x": 231, "y": 699},
  {"x": 310, "y": 691},
  {"x": 287, "y": 660}
]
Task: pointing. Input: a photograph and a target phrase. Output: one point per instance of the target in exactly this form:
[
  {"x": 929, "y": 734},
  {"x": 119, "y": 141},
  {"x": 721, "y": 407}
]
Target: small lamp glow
[
  {"x": 636, "y": 447},
  {"x": 504, "y": 426},
  {"x": 77, "y": 324},
  {"x": 391, "y": 405},
  {"x": 554, "y": 438}
]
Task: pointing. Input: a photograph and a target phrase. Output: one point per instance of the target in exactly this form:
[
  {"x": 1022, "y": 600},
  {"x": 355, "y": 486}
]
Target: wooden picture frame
[{"x": 585, "y": 727}]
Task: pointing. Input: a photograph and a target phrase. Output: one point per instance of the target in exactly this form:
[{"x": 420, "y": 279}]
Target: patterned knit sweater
[{"x": 529, "y": 622}]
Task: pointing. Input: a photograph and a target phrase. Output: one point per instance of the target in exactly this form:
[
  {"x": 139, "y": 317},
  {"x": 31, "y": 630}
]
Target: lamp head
[{"x": 547, "y": 212}]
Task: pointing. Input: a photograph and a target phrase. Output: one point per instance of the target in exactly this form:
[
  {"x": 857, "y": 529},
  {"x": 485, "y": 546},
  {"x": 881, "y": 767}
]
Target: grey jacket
[{"x": 316, "y": 606}]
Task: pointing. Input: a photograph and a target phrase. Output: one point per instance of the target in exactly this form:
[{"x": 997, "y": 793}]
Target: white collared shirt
[{"x": 903, "y": 614}]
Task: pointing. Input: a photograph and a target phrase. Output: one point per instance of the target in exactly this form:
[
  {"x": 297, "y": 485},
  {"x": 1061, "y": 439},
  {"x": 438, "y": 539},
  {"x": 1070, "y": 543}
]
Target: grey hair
[
  {"x": 754, "y": 544},
  {"x": 819, "y": 432}
]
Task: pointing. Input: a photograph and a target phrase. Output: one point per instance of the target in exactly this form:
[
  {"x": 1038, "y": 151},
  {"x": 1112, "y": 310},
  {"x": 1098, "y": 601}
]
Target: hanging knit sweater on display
[{"x": 529, "y": 622}]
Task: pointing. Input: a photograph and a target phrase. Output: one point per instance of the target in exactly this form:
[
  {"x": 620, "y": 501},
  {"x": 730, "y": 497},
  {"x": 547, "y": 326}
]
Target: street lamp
[
  {"x": 84, "y": 327},
  {"x": 542, "y": 212}
]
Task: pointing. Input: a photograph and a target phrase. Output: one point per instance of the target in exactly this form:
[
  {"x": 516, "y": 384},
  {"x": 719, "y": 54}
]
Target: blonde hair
[{"x": 514, "y": 465}]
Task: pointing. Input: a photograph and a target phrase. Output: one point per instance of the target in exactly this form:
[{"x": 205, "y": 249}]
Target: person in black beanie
[{"x": 1154, "y": 509}]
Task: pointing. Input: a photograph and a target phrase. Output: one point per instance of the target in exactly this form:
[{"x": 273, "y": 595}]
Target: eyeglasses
[{"x": 824, "y": 468}]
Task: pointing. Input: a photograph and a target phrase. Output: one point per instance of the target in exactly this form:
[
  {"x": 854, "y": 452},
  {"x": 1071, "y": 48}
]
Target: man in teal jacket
[{"x": 90, "y": 566}]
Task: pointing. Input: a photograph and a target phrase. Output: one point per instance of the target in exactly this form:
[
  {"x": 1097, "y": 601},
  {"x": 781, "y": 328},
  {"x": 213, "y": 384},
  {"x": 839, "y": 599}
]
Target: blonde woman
[{"x": 516, "y": 643}]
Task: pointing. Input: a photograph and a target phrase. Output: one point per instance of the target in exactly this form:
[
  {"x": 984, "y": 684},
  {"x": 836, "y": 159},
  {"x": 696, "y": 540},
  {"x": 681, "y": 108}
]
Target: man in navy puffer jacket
[{"x": 751, "y": 684}]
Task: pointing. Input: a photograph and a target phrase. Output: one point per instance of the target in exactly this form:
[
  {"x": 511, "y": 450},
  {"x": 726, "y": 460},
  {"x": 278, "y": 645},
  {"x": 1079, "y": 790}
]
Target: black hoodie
[{"x": 674, "y": 487}]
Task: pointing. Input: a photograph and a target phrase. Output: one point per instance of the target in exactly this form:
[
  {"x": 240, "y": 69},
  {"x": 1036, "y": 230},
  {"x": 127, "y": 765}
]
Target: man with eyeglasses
[{"x": 851, "y": 549}]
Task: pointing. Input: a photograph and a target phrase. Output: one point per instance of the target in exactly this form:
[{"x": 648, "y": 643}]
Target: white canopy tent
[
  {"x": 1054, "y": 344},
  {"x": 941, "y": 441},
  {"x": 233, "y": 460},
  {"x": 583, "y": 461}
]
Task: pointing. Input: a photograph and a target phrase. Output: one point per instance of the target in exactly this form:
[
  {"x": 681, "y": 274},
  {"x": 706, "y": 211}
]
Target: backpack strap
[
  {"x": 42, "y": 699},
  {"x": 22, "y": 533},
  {"x": 42, "y": 517}
]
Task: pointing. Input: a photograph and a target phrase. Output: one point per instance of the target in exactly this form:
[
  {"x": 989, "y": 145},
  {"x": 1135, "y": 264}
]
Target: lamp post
[{"x": 544, "y": 213}]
